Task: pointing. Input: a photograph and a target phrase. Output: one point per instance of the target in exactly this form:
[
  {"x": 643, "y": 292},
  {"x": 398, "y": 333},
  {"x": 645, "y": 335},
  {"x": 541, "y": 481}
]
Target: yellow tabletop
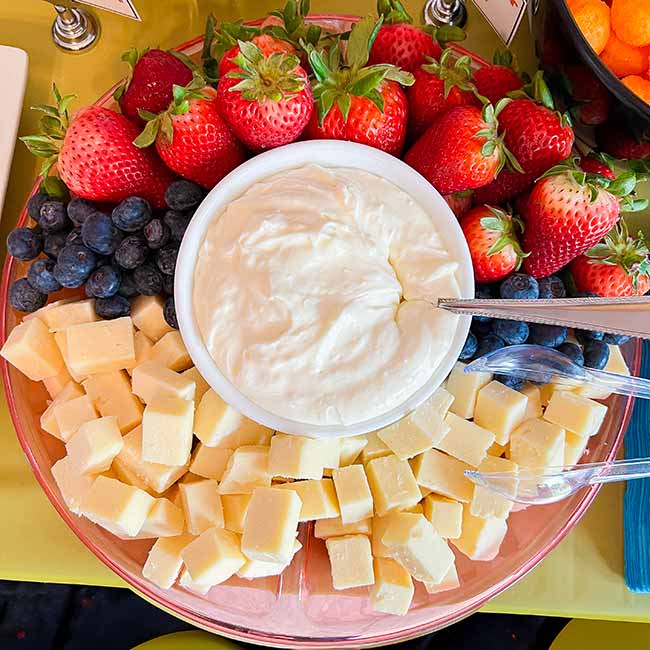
[{"x": 583, "y": 577}]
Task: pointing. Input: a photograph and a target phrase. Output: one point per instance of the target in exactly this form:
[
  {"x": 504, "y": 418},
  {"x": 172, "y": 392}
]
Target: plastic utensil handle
[
  {"x": 620, "y": 470},
  {"x": 621, "y": 384}
]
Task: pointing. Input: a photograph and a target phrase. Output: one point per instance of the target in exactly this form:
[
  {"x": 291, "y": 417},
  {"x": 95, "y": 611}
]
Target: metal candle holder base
[
  {"x": 445, "y": 12},
  {"x": 74, "y": 29}
]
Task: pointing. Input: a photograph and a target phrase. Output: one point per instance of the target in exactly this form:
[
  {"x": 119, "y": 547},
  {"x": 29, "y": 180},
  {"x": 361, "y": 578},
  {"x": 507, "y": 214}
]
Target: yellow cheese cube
[
  {"x": 167, "y": 431},
  {"x": 210, "y": 462},
  {"x": 534, "y": 405},
  {"x": 186, "y": 582},
  {"x": 147, "y": 314},
  {"x": 412, "y": 541},
  {"x": 615, "y": 363},
  {"x": 445, "y": 515},
  {"x": 111, "y": 394},
  {"x": 60, "y": 339},
  {"x": 393, "y": 590},
  {"x": 351, "y": 561},
  {"x": 165, "y": 519},
  {"x": 248, "y": 433},
  {"x": 39, "y": 313},
  {"x": 70, "y": 391},
  {"x": 379, "y": 527},
  {"x": 101, "y": 346},
  {"x": 32, "y": 349},
  {"x": 439, "y": 404},
  {"x": 417, "y": 508},
  {"x": 119, "y": 508},
  {"x": 72, "y": 484},
  {"x": 213, "y": 556},
  {"x": 270, "y": 525},
  {"x": 353, "y": 493},
  {"x": 330, "y": 452},
  {"x": 202, "y": 386},
  {"x": 164, "y": 560},
  {"x": 259, "y": 569},
  {"x": 574, "y": 448},
  {"x": 318, "y": 498},
  {"x": 577, "y": 414},
  {"x": 215, "y": 419},
  {"x": 151, "y": 380},
  {"x": 71, "y": 414},
  {"x": 487, "y": 503},
  {"x": 95, "y": 444},
  {"x": 143, "y": 346},
  {"x": 334, "y": 527},
  {"x": 392, "y": 484},
  {"x": 500, "y": 409},
  {"x": 54, "y": 385},
  {"x": 295, "y": 457},
  {"x": 465, "y": 387},
  {"x": 497, "y": 450},
  {"x": 247, "y": 469},
  {"x": 201, "y": 505},
  {"x": 406, "y": 439},
  {"x": 449, "y": 582},
  {"x": 234, "y": 511},
  {"x": 66, "y": 314},
  {"x": 374, "y": 448},
  {"x": 171, "y": 352},
  {"x": 481, "y": 538},
  {"x": 351, "y": 447},
  {"x": 537, "y": 443},
  {"x": 465, "y": 440},
  {"x": 443, "y": 474},
  {"x": 545, "y": 393}
]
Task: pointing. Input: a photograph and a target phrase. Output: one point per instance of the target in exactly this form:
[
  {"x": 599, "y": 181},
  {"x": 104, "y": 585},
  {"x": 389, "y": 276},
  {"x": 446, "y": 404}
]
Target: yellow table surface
[{"x": 583, "y": 577}]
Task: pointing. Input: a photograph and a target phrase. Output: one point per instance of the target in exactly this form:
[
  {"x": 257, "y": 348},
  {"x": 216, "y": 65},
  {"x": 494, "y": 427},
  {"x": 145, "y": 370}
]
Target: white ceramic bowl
[{"x": 327, "y": 153}]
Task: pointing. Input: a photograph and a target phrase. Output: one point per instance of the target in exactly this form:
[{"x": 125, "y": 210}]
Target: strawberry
[
  {"x": 150, "y": 82},
  {"x": 491, "y": 235},
  {"x": 496, "y": 80},
  {"x": 590, "y": 100},
  {"x": 357, "y": 102},
  {"x": 616, "y": 139},
  {"x": 460, "y": 150},
  {"x": 95, "y": 154},
  {"x": 266, "y": 100},
  {"x": 460, "y": 203},
  {"x": 594, "y": 165},
  {"x": 191, "y": 137},
  {"x": 437, "y": 88},
  {"x": 619, "y": 266},
  {"x": 506, "y": 186},
  {"x": 267, "y": 44}
]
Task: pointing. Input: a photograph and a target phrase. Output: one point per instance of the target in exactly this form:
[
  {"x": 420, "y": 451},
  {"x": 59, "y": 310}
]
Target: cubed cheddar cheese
[
  {"x": 170, "y": 351},
  {"x": 186, "y": 582},
  {"x": 318, "y": 498},
  {"x": 65, "y": 314},
  {"x": 215, "y": 419},
  {"x": 151, "y": 379},
  {"x": 234, "y": 511},
  {"x": 374, "y": 448},
  {"x": 143, "y": 346},
  {"x": 393, "y": 589},
  {"x": 465, "y": 387},
  {"x": 351, "y": 561},
  {"x": 54, "y": 385},
  {"x": 465, "y": 440},
  {"x": 39, "y": 313},
  {"x": 500, "y": 409},
  {"x": 71, "y": 414},
  {"x": 111, "y": 394},
  {"x": 95, "y": 444},
  {"x": 616, "y": 363},
  {"x": 406, "y": 439},
  {"x": 538, "y": 444},
  {"x": 259, "y": 569},
  {"x": 575, "y": 413},
  {"x": 417, "y": 508},
  {"x": 351, "y": 447},
  {"x": 486, "y": 503},
  {"x": 201, "y": 505},
  {"x": 70, "y": 391},
  {"x": 330, "y": 452},
  {"x": 164, "y": 561},
  {"x": 148, "y": 316},
  {"x": 534, "y": 405},
  {"x": 449, "y": 582},
  {"x": 497, "y": 450},
  {"x": 334, "y": 527},
  {"x": 247, "y": 469},
  {"x": 210, "y": 462},
  {"x": 72, "y": 484},
  {"x": 60, "y": 339},
  {"x": 438, "y": 404},
  {"x": 392, "y": 484},
  {"x": 444, "y": 514},
  {"x": 574, "y": 448},
  {"x": 379, "y": 527},
  {"x": 443, "y": 474},
  {"x": 295, "y": 457},
  {"x": 165, "y": 519},
  {"x": 202, "y": 386},
  {"x": 481, "y": 538},
  {"x": 167, "y": 431},
  {"x": 213, "y": 556},
  {"x": 353, "y": 493}
]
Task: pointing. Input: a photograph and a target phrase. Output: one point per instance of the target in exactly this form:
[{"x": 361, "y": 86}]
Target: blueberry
[
  {"x": 99, "y": 233},
  {"x": 513, "y": 332},
  {"x": 131, "y": 253},
  {"x": 74, "y": 237},
  {"x": 548, "y": 335},
  {"x": 596, "y": 354},
  {"x": 132, "y": 214},
  {"x": 519, "y": 286},
  {"x": 177, "y": 223},
  {"x": 168, "y": 284},
  {"x": 184, "y": 195},
  {"x": 166, "y": 259},
  {"x": 24, "y": 244},
  {"x": 24, "y": 297},
  {"x": 41, "y": 276},
  {"x": 53, "y": 216},
  {"x": 113, "y": 307},
  {"x": 103, "y": 282},
  {"x": 127, "y": 286},
  {"x": 551, "y": 287},
  {"x": 53, "y": 243},
  {"x": 74, "y": 265},
  {"x": 488, "y": 344},
  {"x": 511, "y": 382},
  {"x": 35, "y": 203},
  {"x": 481, "y": 326},
  {"x": 585, "y": 335},
  {"x": 148, "y": 280},
  {"x": 156, "y": 234},
  {"x": 169, "y": 312},
  {"x": 616, "y": 339},
  {"x": 483, "y": 291},
  {"x": 79, "y": 210},
  {"x": 469, "y": 348},
  {"x": 572, "y": 351}
]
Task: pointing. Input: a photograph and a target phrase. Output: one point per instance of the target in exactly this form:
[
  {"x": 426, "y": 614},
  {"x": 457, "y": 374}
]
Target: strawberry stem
[
  {"x": 506, "y": 225},
  {"x": 456, "y": 73},
  {"x": 393, "y": 12}
]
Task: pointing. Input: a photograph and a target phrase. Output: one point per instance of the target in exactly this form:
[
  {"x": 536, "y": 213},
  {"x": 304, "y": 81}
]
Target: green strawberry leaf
[
  {"x": 55, "y": 188},
  {"x": 361, "y": 39},
  {"x": 492, "y": 223},
  {"x": 623, "y": 185},
  {"x": 449, "y": 34},
  {"x": 344, "y": 103},
  {"x": 313, "y": 34},
  {"x": 393, "y": 12},
  {"x": 149, "y": 133},
  {"x": 376, "y": 98},
  {"x": 318, "y": 66},
  {"x": 504, "y": 58},
  {"x": 634, "y": 205},
  {"x": 368, "y": 80}
]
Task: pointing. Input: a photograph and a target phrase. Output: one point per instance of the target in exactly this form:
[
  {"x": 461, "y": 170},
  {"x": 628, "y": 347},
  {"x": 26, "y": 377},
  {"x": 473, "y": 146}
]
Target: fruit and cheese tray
[{"x": 220, "y": 345}]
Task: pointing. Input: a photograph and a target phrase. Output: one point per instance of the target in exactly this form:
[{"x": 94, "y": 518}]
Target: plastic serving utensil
[
  {"x": 556, "y": 483},
  {"x": 542, "y": 364}
]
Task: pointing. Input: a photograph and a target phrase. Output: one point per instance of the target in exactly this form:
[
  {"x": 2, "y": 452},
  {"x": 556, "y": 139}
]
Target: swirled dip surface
[{"x": 311, "y": 290}]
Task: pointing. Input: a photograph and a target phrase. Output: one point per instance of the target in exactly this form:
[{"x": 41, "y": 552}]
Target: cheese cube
[
  {"x": 412, "y": 541},
  {"x": 186, "y": 582},
  {"x": 215, "y": 419},
  {"x": 48, "y": 422},
  {"x": 143, "y": 346},
  {"x": 375, "y": 447},
  {"x": 210, "y": 462},
  {"x": 351, "y": 561},
  {"x": 66, "y": 314},
  {"x": 497, "y": 450},
  {"x": 119, "y": 508},
  {"x": 334, "y": 527},
  {"x": 234, "y": 511},
  {"x": 534, "y": 405},
  {"x": 574, "y": 448},
  {"x": 392, "y": 484},
  {"x": 165, "y": 519},
  {"x": 405, "y": 439},
  {"x": 201, "y": 505},
  {"x": 111, "y": 394},
  {"x": 246, "y": 434},
  {"x": 213, "y": 556},
  {"x": 54, "y": 385},
  {"x": 538, "y": 444},
  {"x": 546, "y": 392},
  {"x": 449, "y": 582},
  {"x": 443, "y": 474},
  {"x": 438, "y": 404},
  {"x": 101, "y": 346},
  {"x": 31, "y": 348},
  {"x": 417, "y": 508},
  {"x": 95, "y": 444},
  {"x": 330, "y": 452},
  {"x": 259, "y": 569},
  {"x": 481, "y": 538},
  {"x": 247, "y": 469},
  {"x": 353, "y": 493},
  {"x": 465, "y": 387},
  {"x": 351, "y": 447},
  {"x": 147, "y": 314},
  {"x": 577, "y": 414},
  {"x": 202, "y": 386},
  {"x": 465, "y": 440},
  {"x": 615, "y": 363},
  {"x": 72, "y": 484},
  {"x": 164, "y": 560},
  {"x": 171, "y": 352},
  {"x": 167, "y": 431},
  {"x": 445, "y": 515},
  {"x": 318, "y": 498},
  {"x": 39, "y": 313},
  {"x": 71, "y": 414},
  {"x": 151, "y": 380},
  {"x": 379, "y": 527},
  {"x": 500, "y": 409},
  {"x": 60, "y": 339},
  {"x": 487, "y": 503},
  {"x": 393, "y": 590},
  {"x": 295, "y": 457}
]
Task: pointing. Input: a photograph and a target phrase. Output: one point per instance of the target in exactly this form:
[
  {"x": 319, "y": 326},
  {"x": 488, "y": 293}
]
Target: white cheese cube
[
  {"x": 465, "y": 440},
  {"x": 351, "y": 447},
  {"x": 351, "y": 561},
  {"x": 71, "y": 414},
  {"x": 392, "y": 484},
  {"x": 151, "y": 380},
  {"x": 164, "y": 560},
  {"x": 330, "y": 452},
  {"x": 538, "y": 444},
  {"x": 318, "y": 498},
  {"x": 438, "y": 404},
  {"x": 334, "y": 527},
  {"x": 374, "y": 448},
  {"x": 379, "y": 527},
  {"x": 201, "y": 505},
  {"x": 574, "y": 448},
  {"x": 247, "y": 469},
  {"x": 143, "y": 346},
  {"x": 186, "y": 582},
  {"x": 481, "y": 538},
  {"x": 406, "y": 439},
  {"x": 210, "y": 462},
  {"x": 111, "y": 394},
  {"x": 60, "y": 338},
  {"x": 48, "y": 422},
  {"x": 443, "y": 474},
  {"x": 54, "y": 385},
  {"x": 234, "y": 511},
  {"x": 202, "y": 386},
  {"x": 215, "y": 419},
  {"x": 72, "y": 484},
  {"x": 393, "y": 590},
  {"x": 577, "y": 414},
  {"x": 147, "y": 314},
  {"x": 486, "y": 503},
  {"x": 500, "y": 409},
  {"x": 449, "y": 582},
  {"x": 353, "y": 493},
  {"x": 165, "y": 519},
  {"x": 259, "y": 569},
  {"x": 534, "y": 405},
  {"x": 445, "y": 515},
  {"x": 465, "y": 387},
  {"x": 167, "y": 431},
  {"x": 64, "y": 314},
  {"x": 95, "y": 444},
  {"x": 171, "y": 352},
  {"x": 295, "y": 457},
  {"x": 213, "y": 556}
]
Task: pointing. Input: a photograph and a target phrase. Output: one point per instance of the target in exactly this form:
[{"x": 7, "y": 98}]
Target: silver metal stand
[
  {"x": 74, "y": 29},
  {"x": 445, "y": 12}
]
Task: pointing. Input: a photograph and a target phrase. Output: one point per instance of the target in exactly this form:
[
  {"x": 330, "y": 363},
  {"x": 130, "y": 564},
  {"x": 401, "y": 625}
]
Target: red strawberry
[
  {"x": 491, "y": 235},
  {"x": 618, "y": 140},
  {"x": 591, "y": 100},
  {"x": 192, "y": 138},
  {"x": 617, "y": 267},
  {"x": 495, "y": 81},
  {"x": 149, "y": 87},
  {"x": 593, "y": 165},
  {"x": 508, "y": 185},
  {"x": 357, "y": 102},
  {"x": 95, "y": 154},
  {"x": 460, "y": 203},
  {"x": 437, "y": 88},
  {"x": 267, "y": 100},
  {"x": 267, "y": 45}
]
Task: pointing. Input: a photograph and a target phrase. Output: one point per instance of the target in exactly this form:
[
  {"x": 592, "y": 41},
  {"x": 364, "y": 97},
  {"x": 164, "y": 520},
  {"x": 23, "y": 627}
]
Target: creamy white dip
[{"x": 311, "y": 294}]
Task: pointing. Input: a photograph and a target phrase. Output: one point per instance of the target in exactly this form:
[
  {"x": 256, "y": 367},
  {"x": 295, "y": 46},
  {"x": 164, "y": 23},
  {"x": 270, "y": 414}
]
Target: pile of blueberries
[
  {"x": 489, "y": 334},
  {"x": 131, "y": 251}
]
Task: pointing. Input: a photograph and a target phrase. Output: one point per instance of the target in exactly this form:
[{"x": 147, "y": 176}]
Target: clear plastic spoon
[
  {"x": 541, "y": 364},
  {"x": 557, "y": 483}
]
